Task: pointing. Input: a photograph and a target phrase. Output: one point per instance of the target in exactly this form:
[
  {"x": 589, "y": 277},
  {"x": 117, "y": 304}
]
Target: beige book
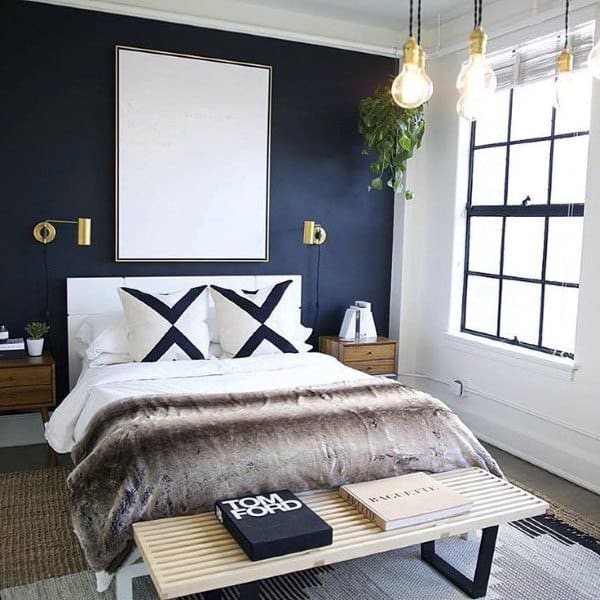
[{"x": 406, "y": 500}]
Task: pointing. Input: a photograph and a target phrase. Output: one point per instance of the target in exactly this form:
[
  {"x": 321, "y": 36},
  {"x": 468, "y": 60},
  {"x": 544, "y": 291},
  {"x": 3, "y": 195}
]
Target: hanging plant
[{"x": 394, "y": 134}]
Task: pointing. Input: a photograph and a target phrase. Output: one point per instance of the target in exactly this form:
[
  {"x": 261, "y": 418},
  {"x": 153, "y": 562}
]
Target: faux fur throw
[{"x": 153, "y": 457}]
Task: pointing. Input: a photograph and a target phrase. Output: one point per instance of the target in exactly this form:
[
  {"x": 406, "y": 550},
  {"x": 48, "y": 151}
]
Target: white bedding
[{"x": 98, "y": 387}]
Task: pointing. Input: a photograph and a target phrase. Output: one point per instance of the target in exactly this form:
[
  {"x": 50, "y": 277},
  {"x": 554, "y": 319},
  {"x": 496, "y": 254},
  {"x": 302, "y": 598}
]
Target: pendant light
[
  {"x": 476, "y": 82},
  {"x": 410, "y": 87},
  {"x": 564, "y": 87}
]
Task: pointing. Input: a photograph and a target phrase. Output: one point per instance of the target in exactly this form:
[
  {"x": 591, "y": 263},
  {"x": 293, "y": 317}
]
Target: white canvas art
[{"x": 193, "y": 150}]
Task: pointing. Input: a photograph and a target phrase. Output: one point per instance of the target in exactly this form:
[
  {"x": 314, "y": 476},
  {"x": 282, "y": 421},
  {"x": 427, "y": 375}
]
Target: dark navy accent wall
[{"x": 57, "y": 160}]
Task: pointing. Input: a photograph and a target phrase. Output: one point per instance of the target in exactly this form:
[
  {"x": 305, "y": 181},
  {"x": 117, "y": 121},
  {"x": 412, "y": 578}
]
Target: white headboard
[{"x": 87, "y": 296}]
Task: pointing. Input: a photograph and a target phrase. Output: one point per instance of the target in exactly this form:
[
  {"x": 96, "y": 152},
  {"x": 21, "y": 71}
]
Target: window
[{"x": 524, "y": 218}]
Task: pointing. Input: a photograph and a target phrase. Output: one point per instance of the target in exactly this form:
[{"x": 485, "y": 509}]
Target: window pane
[
  {"x": 484, "y": 245},
  {"x": 532, "y": 110},
  {"x": 492, "y": 127},
  {"x": 489, "y": 166},
  {"x": 577, "y": 117},
  {"x": 560, "y": 318},
  {"x": 564, "y": 249},
  {"x": 569, "y": 172},
  {"x": 524, "y": 246},
  {"x": 528, "y": 173},
  {"x": 520, "y": 311},
  {"x": 482, "y": 304}
]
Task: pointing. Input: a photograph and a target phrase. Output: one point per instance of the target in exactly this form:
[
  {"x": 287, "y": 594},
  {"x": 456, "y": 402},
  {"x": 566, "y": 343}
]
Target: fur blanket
[{"x": 153, "y": 457}]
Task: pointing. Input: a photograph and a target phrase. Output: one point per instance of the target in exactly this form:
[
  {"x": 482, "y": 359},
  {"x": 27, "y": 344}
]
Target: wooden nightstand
[
  {"x": 377, "y": 358},
  {"x": 28, "y": 385}
]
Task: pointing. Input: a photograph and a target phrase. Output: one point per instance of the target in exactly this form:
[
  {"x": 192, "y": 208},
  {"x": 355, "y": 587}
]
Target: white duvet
[{"x": 98, "y": 387}]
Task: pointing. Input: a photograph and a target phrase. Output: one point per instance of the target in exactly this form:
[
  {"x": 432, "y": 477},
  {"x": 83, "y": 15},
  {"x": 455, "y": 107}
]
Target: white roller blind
[{"x": 537, "y": 59}]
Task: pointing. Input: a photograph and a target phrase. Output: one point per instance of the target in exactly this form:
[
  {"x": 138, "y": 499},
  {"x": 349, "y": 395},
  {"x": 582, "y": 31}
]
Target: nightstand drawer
[
  {"x": 24, "y": 376},
  {"x": 28, "y": 396},
  {"x": 374, "y": 367},
  {"x": 362, "y": 352}
]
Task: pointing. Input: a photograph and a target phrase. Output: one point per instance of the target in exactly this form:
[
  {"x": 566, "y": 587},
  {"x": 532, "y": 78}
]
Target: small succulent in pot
[{"x": 36, "y": 331}]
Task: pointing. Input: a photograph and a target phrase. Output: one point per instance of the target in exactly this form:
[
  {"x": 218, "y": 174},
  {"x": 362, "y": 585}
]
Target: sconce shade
[
  {"x": 313, "y": 233},
  {"x": 84, "y": 231}
]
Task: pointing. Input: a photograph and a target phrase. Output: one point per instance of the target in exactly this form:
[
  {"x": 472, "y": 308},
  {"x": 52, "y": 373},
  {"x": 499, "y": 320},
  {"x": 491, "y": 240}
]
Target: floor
[{"x": 587, "y": 503}]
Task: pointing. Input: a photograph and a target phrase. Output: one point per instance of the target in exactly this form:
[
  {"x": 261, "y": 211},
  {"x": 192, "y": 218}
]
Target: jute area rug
[{"x": 40, "y": 557}]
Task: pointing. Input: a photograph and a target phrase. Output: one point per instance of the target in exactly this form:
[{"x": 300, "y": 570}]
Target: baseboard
[
  {"x": 534, "y": 460},
  {"x": 563, "y": 451}
]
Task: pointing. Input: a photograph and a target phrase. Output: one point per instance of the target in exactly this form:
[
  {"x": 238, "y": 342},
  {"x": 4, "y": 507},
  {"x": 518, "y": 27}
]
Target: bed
[{"x": 158, "y": 439}]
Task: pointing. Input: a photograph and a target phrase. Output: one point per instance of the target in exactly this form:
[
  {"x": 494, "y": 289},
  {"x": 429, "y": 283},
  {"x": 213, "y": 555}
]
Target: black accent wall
[{"x": 57, "y": 160}]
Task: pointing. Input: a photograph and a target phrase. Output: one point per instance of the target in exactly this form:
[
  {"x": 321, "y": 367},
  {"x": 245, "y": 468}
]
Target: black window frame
[{"x": 505, "y": 210}]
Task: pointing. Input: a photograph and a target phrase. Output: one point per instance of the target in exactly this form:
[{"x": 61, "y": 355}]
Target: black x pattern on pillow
[
  {"x": 260, "y": 314},
  {"x": 173, "y": 336}
]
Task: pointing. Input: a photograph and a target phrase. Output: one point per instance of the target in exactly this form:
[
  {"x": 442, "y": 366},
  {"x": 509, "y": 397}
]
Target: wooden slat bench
[{"x": 192, "y": 554}]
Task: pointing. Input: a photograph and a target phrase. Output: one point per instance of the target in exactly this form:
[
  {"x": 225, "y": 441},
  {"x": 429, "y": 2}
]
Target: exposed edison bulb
[
  {"x": 565, "y": 89},
  {"x": 476, "y": 80},
  {"x": 410, "y": 86},
  {"x": 428, "y": 82},
  {"x": 594, "y": 61},
  {"x": 472, "y": 107}
]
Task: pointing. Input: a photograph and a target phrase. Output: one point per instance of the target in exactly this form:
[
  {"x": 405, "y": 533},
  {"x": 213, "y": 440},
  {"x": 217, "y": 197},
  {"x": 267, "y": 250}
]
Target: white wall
[{"x": 532, "y": 407}]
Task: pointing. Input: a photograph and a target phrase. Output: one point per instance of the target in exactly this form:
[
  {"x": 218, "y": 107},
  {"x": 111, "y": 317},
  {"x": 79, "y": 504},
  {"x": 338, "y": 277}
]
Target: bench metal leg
[
  {"x": 248, "y": 591},
  {"x": 476, "y": 588}
]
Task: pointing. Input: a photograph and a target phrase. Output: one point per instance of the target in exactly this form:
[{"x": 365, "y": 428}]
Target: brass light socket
[
  {"x": 478, "y": 41},
  {"x": 410, "y": 52},
  {"x": 565, "y": 61},
  {"x": 422, "y": 57}
]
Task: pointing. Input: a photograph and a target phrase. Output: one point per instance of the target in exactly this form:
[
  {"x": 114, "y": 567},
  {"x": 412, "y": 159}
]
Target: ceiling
[{"x": 384, "y": 13}]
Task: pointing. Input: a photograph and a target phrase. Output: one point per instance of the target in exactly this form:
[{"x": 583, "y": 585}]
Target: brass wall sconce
[
  {"x": 313, "y": 233},
  {"x": 44, "y": 232}
]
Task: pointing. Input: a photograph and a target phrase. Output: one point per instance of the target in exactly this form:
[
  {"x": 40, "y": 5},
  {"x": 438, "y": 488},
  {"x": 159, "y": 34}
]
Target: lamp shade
[{"x": 84, "y": 231}]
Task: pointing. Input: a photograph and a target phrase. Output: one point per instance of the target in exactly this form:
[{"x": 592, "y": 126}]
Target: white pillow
[
  {"x": 166, "y": 326},
  {"x": 109, "y": 358},
  {"x": 265, "y": 321},
  {"x": 112, "y": 340}
]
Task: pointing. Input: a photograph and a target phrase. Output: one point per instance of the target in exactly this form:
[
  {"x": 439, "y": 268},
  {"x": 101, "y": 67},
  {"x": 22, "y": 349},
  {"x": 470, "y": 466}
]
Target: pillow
[
  {"x": 112, "y": 340},
  {"x": 166, "y": 326},
  {"x": 260, "y": 322},
  {"x": 93, "y": 325},
  {"x": 108, "y": 358}
]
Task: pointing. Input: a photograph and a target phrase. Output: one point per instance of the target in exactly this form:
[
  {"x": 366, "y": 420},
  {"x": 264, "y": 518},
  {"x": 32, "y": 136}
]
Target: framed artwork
[{"x": 193, "y": 140}]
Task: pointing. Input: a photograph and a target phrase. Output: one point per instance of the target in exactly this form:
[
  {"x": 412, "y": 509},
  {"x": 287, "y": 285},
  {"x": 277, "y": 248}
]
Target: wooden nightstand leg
[{"x": 51, "y": 454}]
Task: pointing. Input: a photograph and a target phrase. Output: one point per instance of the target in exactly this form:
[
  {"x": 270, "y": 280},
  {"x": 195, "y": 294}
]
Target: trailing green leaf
[{"x": 394, "y": 134}]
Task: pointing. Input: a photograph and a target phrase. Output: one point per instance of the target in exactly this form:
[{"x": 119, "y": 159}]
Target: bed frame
[{"x": 96, "y": 296}]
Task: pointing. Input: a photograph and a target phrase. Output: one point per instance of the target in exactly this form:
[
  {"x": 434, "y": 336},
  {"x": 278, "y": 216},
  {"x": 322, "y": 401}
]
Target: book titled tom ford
[
  {"x": 273, "y": 524},
  {"x": 403, "y": 501}
]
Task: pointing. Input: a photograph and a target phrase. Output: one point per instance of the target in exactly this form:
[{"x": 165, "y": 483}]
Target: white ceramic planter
[{"x": 35, "y": 347}]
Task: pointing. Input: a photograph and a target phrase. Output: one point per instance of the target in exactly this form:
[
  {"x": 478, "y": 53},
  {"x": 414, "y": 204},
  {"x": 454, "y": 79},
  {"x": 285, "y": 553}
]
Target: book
[
  {"x": 12, "y": 344},
  {"x": 407, "y": 500},
  {"x": 13, "y": 354},
  {"x": 273, "y": 524}
]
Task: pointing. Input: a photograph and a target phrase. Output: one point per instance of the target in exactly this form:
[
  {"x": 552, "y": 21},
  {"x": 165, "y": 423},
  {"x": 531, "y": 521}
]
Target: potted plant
[
  {"x": 35, "y": 337},
  {"x": 394, "y": 134}
]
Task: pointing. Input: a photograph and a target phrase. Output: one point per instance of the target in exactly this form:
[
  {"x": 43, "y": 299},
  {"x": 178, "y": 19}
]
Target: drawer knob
[{"x": 369, "y": 353}]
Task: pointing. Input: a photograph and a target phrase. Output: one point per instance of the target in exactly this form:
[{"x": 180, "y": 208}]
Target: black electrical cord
[
  {"x": 46, "y": 280},
  {"x": 566, "y": 23},
  {"x": 419, "y": 23},
  {"x": 480, "y": 13},
  {"x": 410, "y": 25},
  {"x": 475, "y": 13},
  {"x": 317, "y": 290}
]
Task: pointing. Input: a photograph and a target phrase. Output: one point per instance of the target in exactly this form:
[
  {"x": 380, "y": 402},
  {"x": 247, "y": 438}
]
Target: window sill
[{"x": 553, "y": 366}]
